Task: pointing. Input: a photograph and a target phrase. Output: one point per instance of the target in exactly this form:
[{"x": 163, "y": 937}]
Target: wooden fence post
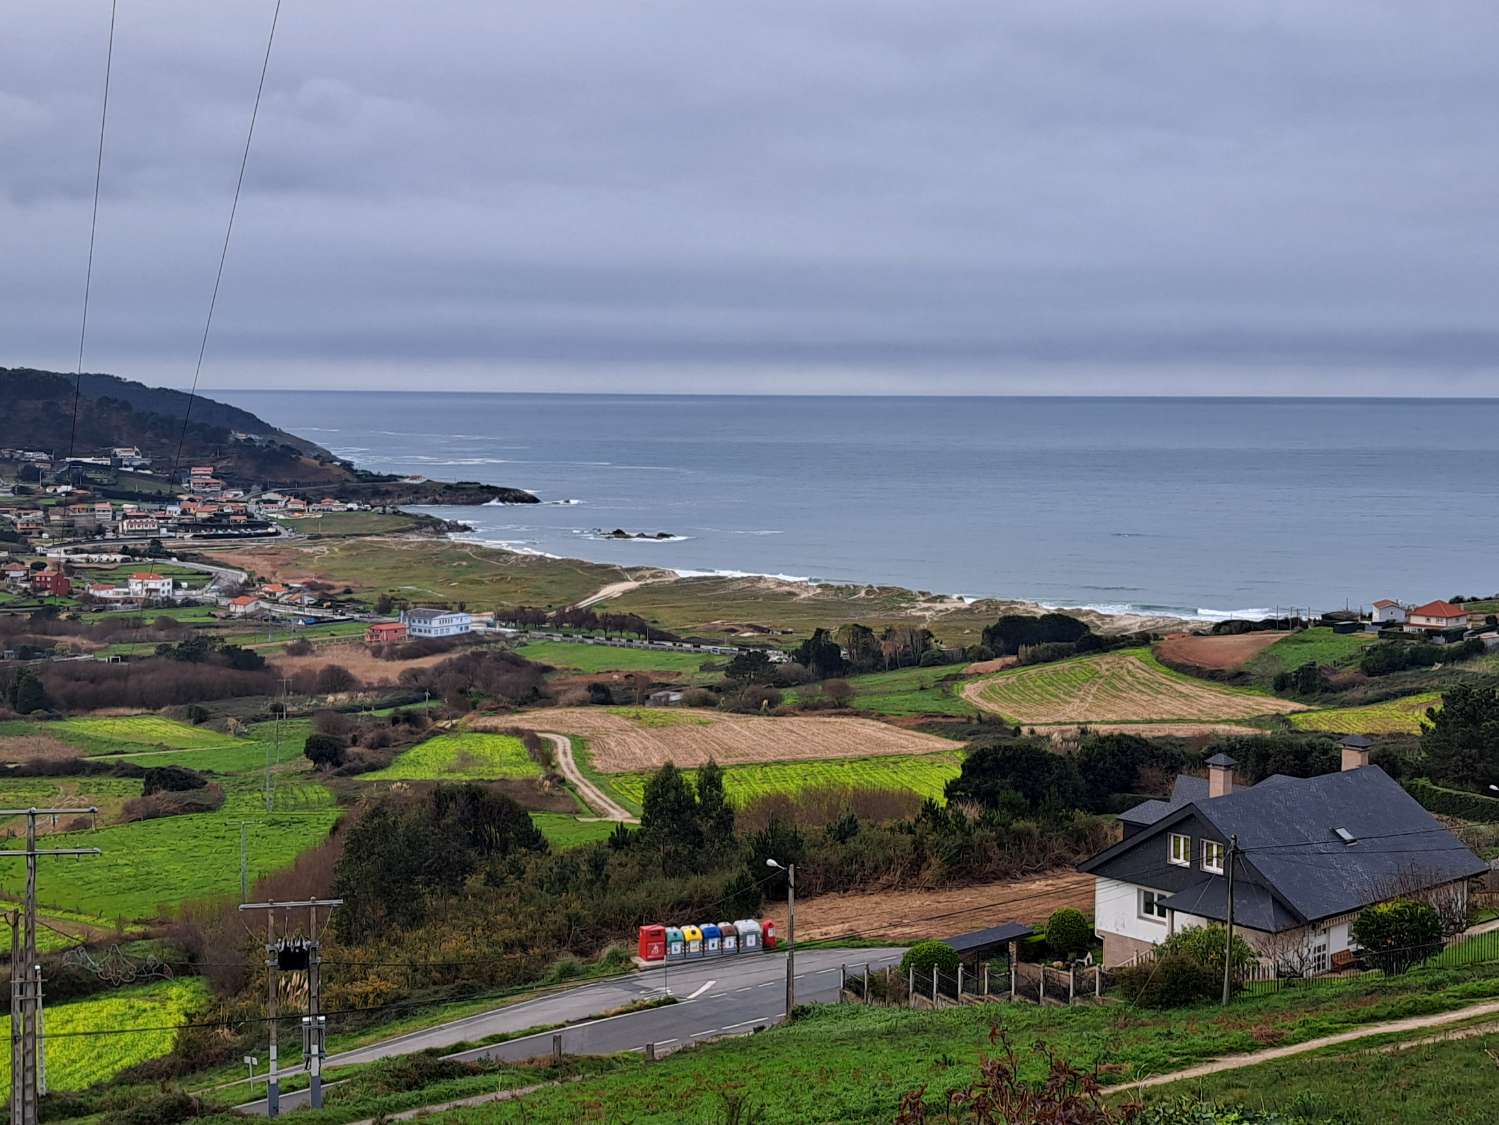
[
  {"x": 986, "y": 980},
  {"x": 934, "y": 986},
  {"x": 866, "y": 982},
  {"x": 650, "y": 1052},
  {"x": 960, "y": 980},
  {"x": 557, "y": 1050},
  {"x": 1071, "y": 984},
  {"x": 843, "y": 983},
  {"x": 911, "y": 986}
]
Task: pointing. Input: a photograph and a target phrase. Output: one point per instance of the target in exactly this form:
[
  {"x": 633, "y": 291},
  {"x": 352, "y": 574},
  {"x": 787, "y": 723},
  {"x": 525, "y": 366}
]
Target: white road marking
[
  {"x": 768, "y": 984},
  {"x": 746, "y": 988},
  {"x": 702, "y": 989},
  {"x": 746, "y": 1023},
  {"x": 664, "y": 1042},
  {"x": 834, "y": 970},
  {"x": 710, "y": 1031}
]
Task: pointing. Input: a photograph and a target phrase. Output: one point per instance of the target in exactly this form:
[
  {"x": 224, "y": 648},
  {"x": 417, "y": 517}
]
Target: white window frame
[
  {"x": 1184, "y": 859},
  {"x": 1148, "y": 898},
  {"x": 1213, "y": 847}
]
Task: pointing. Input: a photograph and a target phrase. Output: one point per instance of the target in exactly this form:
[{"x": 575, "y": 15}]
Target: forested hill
[{"x": 36, "y": 412}]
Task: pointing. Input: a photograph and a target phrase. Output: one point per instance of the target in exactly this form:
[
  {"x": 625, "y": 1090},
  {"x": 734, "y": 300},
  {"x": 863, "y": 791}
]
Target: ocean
[{"x": 1205, "y": 507}]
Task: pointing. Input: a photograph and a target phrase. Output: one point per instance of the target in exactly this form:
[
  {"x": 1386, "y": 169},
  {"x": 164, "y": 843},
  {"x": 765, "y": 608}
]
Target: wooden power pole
[
  {"x": 294, "y": 955},
  {"x": 28, "y": 1066}
]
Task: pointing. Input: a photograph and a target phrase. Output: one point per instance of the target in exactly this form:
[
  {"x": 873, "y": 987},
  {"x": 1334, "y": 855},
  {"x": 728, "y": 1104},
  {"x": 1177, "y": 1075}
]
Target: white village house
[
  {"x": 1312, "y": 854},
  {"x": 436, "y": 622},
  {"x": 1388, "y": 612}
]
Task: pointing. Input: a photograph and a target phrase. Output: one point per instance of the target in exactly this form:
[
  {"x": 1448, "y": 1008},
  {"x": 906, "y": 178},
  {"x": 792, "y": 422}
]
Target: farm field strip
[
  {"x": 1393, "y": 716},
  {"x": 1114, "y": 687},
  {"x": 140, "y": 730},
  {"x": 469, "y": 756},
  {"x": 75, "y": 1062},
  {"x": 907, "y": 691},
  {"x": 603, "y": 658},
  {"x": 617, "y": 744},
  {"x": 925, "y": 775}
]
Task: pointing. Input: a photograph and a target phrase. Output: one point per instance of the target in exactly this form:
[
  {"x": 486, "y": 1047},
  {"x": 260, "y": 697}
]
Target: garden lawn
[
  {"x": 601, "y": 658},
  {"x": 460, "y": 757},
  {"x": 1394, "y": 716},
  {"x": 851, "y": 1063},
  {"x": 926, "y": 775},
  {"x": 150, "y": 866},
  {"x": 1451, "y": 1083},
  {"x": 907, "y": 691},
  {"x": 78, "y": 1061},
  {"x": 1319, "y": 646}
]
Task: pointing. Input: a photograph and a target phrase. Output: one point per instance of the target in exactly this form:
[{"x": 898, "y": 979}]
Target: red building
[
  {"x": 52, "y": 581},
  {"x": 385, "y": 633}
]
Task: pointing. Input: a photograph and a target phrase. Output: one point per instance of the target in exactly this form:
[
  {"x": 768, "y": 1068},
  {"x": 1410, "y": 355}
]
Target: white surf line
[{"x": 702, "y": 989}]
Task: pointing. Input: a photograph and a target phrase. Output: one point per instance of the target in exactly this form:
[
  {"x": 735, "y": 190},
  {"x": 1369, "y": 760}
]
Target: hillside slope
[{"x": 244, "y": 449}]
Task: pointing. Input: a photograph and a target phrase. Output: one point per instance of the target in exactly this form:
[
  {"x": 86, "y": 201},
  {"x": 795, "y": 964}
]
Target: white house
[
  {"x": 436, "y": 622},
  {"x": 145, "y": 584},
  {"x": 1307, "y": 862},
  {"x": 1436, "y": 617},
  {"x": 243, "y": 604},
  {"x": 1387, "y": 612}
]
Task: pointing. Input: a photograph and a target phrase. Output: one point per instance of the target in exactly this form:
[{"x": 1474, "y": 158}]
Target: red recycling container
[
  {"x": 653, "y": 943},
  {"x": 768, "y": 932}
]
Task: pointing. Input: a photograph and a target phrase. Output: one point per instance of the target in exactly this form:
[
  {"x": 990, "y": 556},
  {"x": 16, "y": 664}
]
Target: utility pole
[
  {"x": 294, "y": 956},
  {"x": 790, "y": 870},
  {"x": 1228, "y": 937},
  {"x": 28, "y": 1068}
]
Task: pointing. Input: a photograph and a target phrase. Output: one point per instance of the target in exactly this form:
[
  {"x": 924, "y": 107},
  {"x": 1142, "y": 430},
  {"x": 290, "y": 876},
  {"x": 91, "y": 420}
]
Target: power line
[
  {"x": 224, "y": 252},
  {"x": 88, "y": 277}
]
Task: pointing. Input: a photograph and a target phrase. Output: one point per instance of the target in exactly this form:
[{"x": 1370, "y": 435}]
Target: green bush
[
  {"x": 1396, "y": 935},
  {"x": 165, "y": 1108},
  {"x": 1188, "y": 969},
  {"x": 924, "y": 956},
  {"x": 1069, "y": 933}
]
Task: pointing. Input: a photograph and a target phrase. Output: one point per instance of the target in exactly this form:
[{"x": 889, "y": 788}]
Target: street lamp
[{"x": 790, "y": 933}]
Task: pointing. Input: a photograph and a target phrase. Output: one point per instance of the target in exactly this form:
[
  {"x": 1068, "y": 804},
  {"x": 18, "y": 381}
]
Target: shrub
[
  {"x": 324, "y": 750},
  {"x": 1188, "y": 969},
  {"x": 1396, "y": 935},
  {"x": 171, "y": 779},
  {"x": 1068, "y": 932},
  {"x": 166, "y": 1108},
  {"x": 925, "y": 956},
  {"x": 1453, "y": 802}
]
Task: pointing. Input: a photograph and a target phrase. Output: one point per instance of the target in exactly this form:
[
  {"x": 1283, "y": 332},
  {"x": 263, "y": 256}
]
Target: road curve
[{"x": 604, "y": 807}]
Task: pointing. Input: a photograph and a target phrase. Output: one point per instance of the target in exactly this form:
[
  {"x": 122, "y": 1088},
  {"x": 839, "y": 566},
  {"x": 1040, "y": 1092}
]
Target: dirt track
[
  {"x": 619, "y": 744},
  {"x": 594, "y": 797},
  {"x": 1215, "y": 654},
  {"x": 913, "y": 915}
]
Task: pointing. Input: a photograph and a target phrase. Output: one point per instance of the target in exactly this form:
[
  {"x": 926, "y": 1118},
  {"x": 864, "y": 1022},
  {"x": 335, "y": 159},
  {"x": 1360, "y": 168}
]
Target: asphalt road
[{"x": 714, "y": 998}]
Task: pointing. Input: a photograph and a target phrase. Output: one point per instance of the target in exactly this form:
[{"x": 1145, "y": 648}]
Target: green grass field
[
  {"x": 460, "y": 757},
  {"x": 1320, "y": 646},
  {"x": 137, "y": 732},
  {"x": 849, "y": 1063},
  {"x": 331, "y": 525},
  {"x": 657, "y": 718},
  {"x": 907, "y": 691},
  {"x": 75, "y": 1061},
  {"x": 600, "y": 658},
  {"x": 1124, "y": 686},
  {"x": 153, "y": 864},
  {"x": 565, "y": 831},
  {"x": 1446, "y": 1083},
  {"x": 1394, "y": 716},
  {"x": 923, "y": 774}
]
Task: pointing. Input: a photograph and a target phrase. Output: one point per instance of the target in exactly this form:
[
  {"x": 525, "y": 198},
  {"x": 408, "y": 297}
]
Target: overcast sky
[{"x": 820, "y": 195}]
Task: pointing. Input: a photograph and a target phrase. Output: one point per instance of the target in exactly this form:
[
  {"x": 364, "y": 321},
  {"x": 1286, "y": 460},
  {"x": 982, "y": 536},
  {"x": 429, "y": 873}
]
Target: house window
[
  {"x": 1150, "y": 906},
  {"x": 1212, "y": 856},
  {"x": 1181, "y": 850}
]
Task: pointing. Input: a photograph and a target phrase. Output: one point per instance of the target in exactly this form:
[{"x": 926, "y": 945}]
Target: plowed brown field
[
  {"x": 1218, "y": 654},
  {"x": 914, "y": 915},
  {"x": 1114, "y": 687},
  {"x": 626, "y": 744}
]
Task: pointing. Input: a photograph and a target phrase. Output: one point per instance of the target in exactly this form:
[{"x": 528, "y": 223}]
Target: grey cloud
[{"x": 942, "y": 197}]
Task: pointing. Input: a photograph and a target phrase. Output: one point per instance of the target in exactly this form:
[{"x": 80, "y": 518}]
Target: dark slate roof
[
  {"x": 1286, "y": 834},
  {"x": 994, "y": 936},
  {"x": 1254, "y": 906},
  {"x": 1184, "y": 791},
  {"x": 1356, "y": 742},
  {"x": 1221, "y": 759}
]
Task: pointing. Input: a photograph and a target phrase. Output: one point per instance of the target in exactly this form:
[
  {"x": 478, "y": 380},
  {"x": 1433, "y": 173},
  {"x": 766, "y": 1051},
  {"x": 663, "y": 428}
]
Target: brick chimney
[
  {"x": 1220, "y": 775},
  {"x": 1355, "y": 752}
]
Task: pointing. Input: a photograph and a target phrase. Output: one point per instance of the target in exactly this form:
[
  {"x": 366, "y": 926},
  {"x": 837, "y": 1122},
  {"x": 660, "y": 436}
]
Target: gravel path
[{"x": 604, "y": 806}]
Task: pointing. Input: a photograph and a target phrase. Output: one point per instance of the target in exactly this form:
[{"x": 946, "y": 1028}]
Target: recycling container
[
  {"x": 729, "y": 935},
  {"x": 693, "y": 936},
  {"x": 749, "y": 934},
  {"x": 676, "y": 944},
  {"x": 768, "y": 934},
  {"x": 712, "y": 940},
  {"x": 652, "y": 943}
]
